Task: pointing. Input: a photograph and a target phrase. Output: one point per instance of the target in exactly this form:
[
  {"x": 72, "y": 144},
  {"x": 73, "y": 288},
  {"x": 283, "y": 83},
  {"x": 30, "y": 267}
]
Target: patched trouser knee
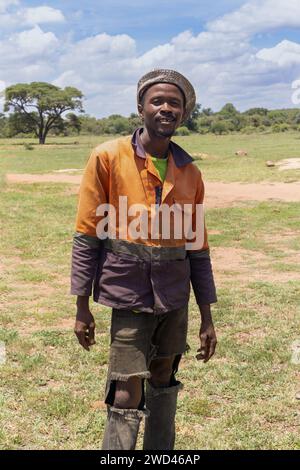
[
  {"x": 160, "y": 424},
  {"x": 121, "y": 429},
  {"x": 161, "y": 403}
]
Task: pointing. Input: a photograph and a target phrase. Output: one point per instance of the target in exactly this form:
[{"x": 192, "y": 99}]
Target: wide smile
[{"x": 167, "y": 121}]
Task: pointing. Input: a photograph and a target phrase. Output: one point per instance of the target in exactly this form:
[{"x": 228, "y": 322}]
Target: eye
[{"x": 156, "y": 101}]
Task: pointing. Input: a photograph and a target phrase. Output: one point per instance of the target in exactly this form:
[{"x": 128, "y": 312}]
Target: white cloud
[
  {"x": 7, "y": 19},
  {"x": 73, "y": 78},
  {"x": 157, "y": 56},
  {"x": 284, "y": 54},
  {"x": 33, "y": 42},
  {"x": 5, "y": 4},
  {"x": 221, "y": 62},
  {"x": 28, "y": 16},
  {"x": 42, "y": 14},
  {"x": 101, "y": 58},
  {"x": 2, "y": 88},
  {"x": 221, "y": 68},
  {"x": 28, "y": 56},
  {"x": 206, "y": 47},
  {"x": 103, "y": 45},
  {"x": 256, "y": 16}
]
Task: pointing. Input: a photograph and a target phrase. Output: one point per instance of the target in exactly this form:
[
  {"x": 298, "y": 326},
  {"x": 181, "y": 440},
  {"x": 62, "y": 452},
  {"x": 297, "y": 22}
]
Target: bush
[
  {"x": 266, "y": 122},
  {"x": 276, "y": 128},
  {"x": 182, "y": 131},
  {"x": 203, "y": 130},
  {"x": 249, "y": 130},
  {"x": 28, "y": 146},
  {"x": 280, "y": 128},
  {"x": 219, "y": 127}
]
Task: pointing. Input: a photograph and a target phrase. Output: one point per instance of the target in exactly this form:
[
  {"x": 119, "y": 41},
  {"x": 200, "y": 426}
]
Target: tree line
[{"x": 40, "y": 109}]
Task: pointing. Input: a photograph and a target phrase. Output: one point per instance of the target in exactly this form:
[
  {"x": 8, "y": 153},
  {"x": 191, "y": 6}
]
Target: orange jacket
[
  {"x": 119, "y": 167},
  {"x": 152, "y": 274}
]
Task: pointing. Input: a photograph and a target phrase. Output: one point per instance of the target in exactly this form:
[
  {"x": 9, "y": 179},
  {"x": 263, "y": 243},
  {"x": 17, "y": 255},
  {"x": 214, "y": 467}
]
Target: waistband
[{"x": 146, "y": 252}]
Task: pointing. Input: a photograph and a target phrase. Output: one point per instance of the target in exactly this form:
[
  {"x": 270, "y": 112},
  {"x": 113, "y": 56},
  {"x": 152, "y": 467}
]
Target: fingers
[
  {"x": 203, "y": 354},
  {"x": 82, "y": 339},
  {"x": 85, "y": 334},
  {"x": 91, "y": 334},
  {"x": 212, "y": 348},
  {"x": 208, "y": 347},
  {"x": 204, "y": 349},
  {"x": 200, "y": 356}
]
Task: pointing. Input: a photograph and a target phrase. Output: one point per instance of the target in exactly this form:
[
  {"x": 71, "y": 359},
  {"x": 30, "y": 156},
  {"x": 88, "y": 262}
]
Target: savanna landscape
[{"x": 245, "y": 398}]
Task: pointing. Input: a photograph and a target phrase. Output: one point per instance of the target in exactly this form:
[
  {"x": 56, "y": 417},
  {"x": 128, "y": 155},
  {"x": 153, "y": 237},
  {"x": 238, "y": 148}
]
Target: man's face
[{"x": 162, "y": 109}]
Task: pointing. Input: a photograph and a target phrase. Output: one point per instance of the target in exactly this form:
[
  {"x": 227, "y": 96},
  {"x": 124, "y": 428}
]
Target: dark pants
[
  {"x": 139, "y": 338},
  {"x": 138, "y": 341}
]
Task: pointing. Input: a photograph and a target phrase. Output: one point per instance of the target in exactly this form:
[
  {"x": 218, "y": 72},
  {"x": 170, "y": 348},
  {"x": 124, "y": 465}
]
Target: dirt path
[
  {"x": 248, "y": 266},
  {"x": 217, "y": 194},
  {"x": 20, "y": 178},
  {"x": 227, "y": 194}
]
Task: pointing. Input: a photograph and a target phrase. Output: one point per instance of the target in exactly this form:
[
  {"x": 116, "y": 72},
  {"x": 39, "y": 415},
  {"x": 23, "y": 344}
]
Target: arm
[
  {"x": 204, "y": 288},
  {"x": 86, "y": 246},
  {"x": 207, "y": 335},
  {"x": 85, "y": 255},
  {"x": 84, "y": 323}
]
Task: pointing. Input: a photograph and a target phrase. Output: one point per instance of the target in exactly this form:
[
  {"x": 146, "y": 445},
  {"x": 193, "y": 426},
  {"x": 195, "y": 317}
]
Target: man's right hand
[{"x": 84, "y": 324}]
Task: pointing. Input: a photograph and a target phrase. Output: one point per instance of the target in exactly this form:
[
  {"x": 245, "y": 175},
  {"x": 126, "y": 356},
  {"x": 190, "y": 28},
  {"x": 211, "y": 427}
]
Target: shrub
[
  {"x": 276, "y": 128},
  {"x": 203, "y": 130},
  {"x": 249, "y": 130},
  {"x": 28, "y": 146},
  {"x": 219, "y": 127},
  {"x": 280, "y": 128},
  {"x": 182, "y": 131}
]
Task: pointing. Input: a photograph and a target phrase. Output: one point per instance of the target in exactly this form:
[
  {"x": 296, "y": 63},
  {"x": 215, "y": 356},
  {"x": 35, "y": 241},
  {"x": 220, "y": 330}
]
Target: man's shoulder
[
  {"x": 186, "y": 162},
  {"x": 193, "y": 174},
  {"x": 111, "y": 147}
]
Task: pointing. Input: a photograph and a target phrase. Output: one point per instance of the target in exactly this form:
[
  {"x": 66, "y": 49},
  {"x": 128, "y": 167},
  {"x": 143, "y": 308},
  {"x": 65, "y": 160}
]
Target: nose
[{"x": 166, "y": 107}]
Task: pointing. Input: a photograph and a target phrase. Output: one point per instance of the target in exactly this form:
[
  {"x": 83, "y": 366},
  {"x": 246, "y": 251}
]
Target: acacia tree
[{"x": 39, "y": 106}]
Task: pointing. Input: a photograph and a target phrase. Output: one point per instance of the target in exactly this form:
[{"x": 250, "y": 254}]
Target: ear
[{"x": 141, "y": 110}]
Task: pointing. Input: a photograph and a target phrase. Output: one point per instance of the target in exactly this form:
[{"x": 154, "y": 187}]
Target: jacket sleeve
[
  {"x": 87, "y": 246},
  {"x": 202, "y": 278}
]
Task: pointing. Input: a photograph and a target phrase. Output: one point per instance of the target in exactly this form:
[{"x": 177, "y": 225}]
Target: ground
[{"x": 244, "y": 398}]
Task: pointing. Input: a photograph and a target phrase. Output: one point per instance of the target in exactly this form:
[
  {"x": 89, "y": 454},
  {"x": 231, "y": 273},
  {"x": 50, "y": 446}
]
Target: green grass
[
  {"x": 242, "y": 399},
  {"x": 221, "y": 165},
  {"x": 224, "y": 165}
]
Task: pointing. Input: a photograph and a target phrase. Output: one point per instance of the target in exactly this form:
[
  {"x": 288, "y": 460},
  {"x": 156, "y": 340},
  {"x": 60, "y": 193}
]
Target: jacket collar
[{"x": 180, "y": 156}]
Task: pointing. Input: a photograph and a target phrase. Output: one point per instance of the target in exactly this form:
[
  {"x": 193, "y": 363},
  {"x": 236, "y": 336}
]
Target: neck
[{"x": 157, "y": 146}]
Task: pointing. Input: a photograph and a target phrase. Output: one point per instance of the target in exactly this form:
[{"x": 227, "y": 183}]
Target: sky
[{"x": 243, "y": 52}]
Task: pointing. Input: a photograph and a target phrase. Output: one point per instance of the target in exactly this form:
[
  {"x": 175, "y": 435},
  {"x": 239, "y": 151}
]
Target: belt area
[{"x": 146, "y": 252}]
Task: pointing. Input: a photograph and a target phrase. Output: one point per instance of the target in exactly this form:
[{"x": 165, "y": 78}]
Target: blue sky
[
  {"x": 236, "y": 51},
  {"x": 150, "y": 23}
]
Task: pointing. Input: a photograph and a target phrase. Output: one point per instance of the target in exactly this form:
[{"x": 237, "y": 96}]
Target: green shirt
[{"x": 161, "y": 164}]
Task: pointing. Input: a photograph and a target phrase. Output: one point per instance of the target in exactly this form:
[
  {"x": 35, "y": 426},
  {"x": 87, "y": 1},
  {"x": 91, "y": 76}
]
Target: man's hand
[
  {"x": 207, "y": 335},
  {"x": 84, "y": 324}
]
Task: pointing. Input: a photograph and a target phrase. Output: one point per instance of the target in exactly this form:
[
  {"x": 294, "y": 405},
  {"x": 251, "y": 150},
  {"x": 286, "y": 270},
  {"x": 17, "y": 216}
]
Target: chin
[{"x": 165, "y": 132}]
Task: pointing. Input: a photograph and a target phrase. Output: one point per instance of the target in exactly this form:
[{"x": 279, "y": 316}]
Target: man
[{"x": 144, "y": 275}]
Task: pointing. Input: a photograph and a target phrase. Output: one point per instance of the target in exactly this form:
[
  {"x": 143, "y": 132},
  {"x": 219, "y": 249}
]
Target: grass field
[{"x": 52, "y": 390}]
